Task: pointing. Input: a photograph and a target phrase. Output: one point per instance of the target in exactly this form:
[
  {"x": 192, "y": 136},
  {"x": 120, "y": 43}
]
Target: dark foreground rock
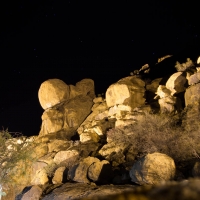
[
  {"x": 81, "y": 191},
  {"x": 183, "y": 190}
]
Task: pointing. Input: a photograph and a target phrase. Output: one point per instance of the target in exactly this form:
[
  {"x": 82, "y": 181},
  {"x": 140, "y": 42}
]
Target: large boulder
[
  {"x": 81, "y": 171},
  {"x": 66, "y": 156},
  {"x": 52, "y": 92},
  {"x": 65, "y": 118},
  {"x": 153, "y": 169},
  {"x": 76, "y": 110},
  {"x": 176, "y": 83},
  {"x": 128, "y": 91}
]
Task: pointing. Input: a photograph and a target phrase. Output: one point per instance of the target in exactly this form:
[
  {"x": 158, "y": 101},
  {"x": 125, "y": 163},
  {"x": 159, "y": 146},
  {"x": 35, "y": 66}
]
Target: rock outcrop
[{"x": 87, "y": 141}]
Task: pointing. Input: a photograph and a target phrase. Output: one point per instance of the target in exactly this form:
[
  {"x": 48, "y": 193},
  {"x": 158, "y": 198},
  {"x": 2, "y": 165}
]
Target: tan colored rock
[
  {"x": 40, "y": 150},
  {"x": 68, "y": 117},
  {"x": 193, "y": 78},
  {"x": 59, "y": 175},
  {"x": 153, "y": 169},
  {"x": 114, "y": 152},
  {"x": 48, "y": 159},
  {"x": 89, "y": 137},
  {"x": 192, "y": 94},
  {"x": 176, "y": 83},
  {"x": 82, "y": 169},
  {"x": 52, "y": 120},
  {"x": 74, "y": 92},
  {"x": 76, "y": 110},
  {"x": 162, "y": 92},
  {"x": 167, "y": 104},
  {"x": 99, "y": 108},
  {"x": 39, "y": 174},
  {"x": 118, "y": 108},
  {"x": 98, "y": 100},
  {"x": 127, "y": 91},
  {"x": 58, "y": 145},
  {"x": 98, "y": 130},
  {"x": 63, "y": 156},
  {"x": 100, "y": 171},
  {"x": 40, "y": 178},
  {"x": 153, "y": 86},
  {"x": 102, "y": 115},
  {"x": 52, "y": 92},
  {"x": 86, "y": 149},
  {"x": 122, "y": 123},
  {"x": 86, "y": 87}
]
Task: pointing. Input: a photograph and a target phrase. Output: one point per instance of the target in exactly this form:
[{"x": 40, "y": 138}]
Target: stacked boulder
[
  {"x": 99, "y": 156},
  {"x": 66, "y": 106}
]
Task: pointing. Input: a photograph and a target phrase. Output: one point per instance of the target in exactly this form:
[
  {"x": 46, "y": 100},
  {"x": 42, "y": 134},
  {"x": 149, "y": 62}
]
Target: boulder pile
[{"x": 80, "y": 149}]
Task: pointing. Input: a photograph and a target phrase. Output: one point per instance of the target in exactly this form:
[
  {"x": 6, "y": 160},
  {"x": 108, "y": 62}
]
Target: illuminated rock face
[
  {"x": 192, "y": 94},
  {"x": 153, "y": 169},
  {"x": 52, "y": 92},
  {"x": 176, "y": 83},
  {"x": 127, "y": 91},
  {"x": 84, "y": 87},
  {"x": 66, "y": 107}
]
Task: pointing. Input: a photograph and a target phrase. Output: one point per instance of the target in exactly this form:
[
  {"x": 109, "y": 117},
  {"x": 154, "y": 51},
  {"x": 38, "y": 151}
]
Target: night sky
[{"x": 72, "y": 40}]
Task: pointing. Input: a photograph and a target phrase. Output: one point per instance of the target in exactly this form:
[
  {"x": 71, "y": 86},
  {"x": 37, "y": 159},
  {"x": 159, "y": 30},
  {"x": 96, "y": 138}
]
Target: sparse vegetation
[
  {"x": 160, "y": 133},
  {"x": 15, "y": 158}
]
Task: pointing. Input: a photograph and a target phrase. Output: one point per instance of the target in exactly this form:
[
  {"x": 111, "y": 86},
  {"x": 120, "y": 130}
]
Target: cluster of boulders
[{"x": 76, "y": 142}]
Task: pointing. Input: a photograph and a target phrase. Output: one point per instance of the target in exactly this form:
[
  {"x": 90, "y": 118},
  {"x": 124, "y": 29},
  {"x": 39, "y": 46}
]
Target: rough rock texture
[
  {"x": 63, "y": 156},
  {"x": 176, "y": 83},
  {"x": 167, "y": 102},
  {"x": 60, "y": 175},
  {"x": 193, "y": 78},
  {"x": 153, "y": 85},
  {"x": 82, "y": 169},
  {"x": 33, "y": 194},
  {"x": 52, "y": 92},
  {"x": 81, "y": 190},
  {"x": 192, "y": 94},
  {"x": 67, "y": 117},
  {"x": 153, "y": 169},
  {"x": 128, "y": 91},
  {"x": 100, "y": 172}
]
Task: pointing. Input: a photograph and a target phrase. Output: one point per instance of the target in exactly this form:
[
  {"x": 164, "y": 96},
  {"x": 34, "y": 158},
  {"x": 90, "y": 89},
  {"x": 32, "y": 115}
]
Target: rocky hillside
[{"x": 140, "y": 140}]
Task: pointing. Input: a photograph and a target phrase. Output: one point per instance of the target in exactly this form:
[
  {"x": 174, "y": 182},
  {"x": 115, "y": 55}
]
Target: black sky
[{"x": 72, "y": 40}]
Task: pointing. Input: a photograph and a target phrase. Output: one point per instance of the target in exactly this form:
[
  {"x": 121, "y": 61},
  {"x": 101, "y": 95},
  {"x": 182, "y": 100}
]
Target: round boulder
[
  {"x": 153, "y": 169},
  {"x": 52, "y": 92}
]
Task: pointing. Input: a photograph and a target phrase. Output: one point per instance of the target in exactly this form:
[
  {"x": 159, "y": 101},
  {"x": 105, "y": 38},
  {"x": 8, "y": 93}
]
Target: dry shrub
[
  {"x": 15, "y": 160},
  {"x": 160, "y": 133}
]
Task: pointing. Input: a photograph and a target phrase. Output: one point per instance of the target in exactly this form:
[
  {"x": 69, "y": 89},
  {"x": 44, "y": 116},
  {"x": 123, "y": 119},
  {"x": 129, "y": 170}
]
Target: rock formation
[{"x": 104, "y": 150}]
